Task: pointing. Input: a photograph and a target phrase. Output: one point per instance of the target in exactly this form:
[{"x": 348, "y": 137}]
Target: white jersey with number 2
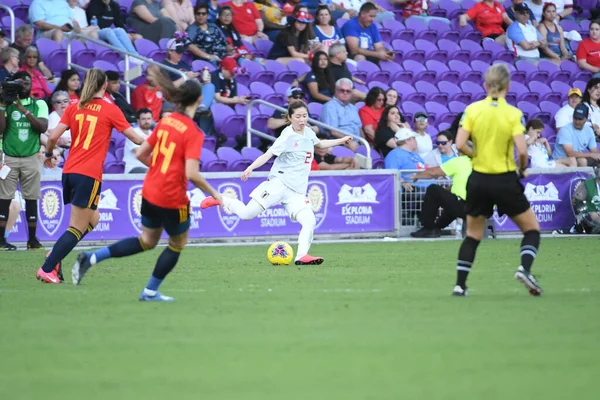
[{"x": 295, "y": 154}]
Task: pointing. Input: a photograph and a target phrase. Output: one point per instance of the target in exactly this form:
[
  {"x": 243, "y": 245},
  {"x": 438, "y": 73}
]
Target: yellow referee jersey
[{"x": 492, "y": 125}]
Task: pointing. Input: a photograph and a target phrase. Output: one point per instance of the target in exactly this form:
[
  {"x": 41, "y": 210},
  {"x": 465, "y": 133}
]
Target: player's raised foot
[
  {"x": 209, "y": 202},
  {"x": 460, "y": 292},
  {"x": 426, "y": 233},
  {"x": 529, "y": 281},
  {"x": 309, "y": 260},
  {"x": 34, "y": 244},
  {"x": 82, "y": 264},
  {"x": 48, "y": 277},
  {"x": 5, "y": 246},
  {"x": 152, "y": 295}
]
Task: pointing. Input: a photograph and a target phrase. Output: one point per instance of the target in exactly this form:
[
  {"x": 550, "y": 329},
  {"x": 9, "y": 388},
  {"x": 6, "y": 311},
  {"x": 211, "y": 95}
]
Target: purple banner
[
  {"x": 550, "y": 197},
  {"x": 342, "y": 204}
]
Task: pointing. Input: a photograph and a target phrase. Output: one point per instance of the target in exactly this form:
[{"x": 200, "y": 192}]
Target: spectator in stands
[
  {"x": 564, "y": 116},
  {"x": 319, "y": 82},
  {"x": 144, "y": 129},
  {"x": 24, "y": 39},
  {"x": 356, "y": 6},
  {"x": 70, "y": 82},
  {"x": 235, "y": 47},
  {"x": 539, "y": 149},
  {"x": 52, "y": 19},
  {"x": 536, "y": 7},
  {"x": 417, "y": 9},
  {"x": 10, "y": 61},
  {"x": 112, "y": 28},
  {"x": 342, "y": 114},
  {"x": 225, "y": 84},
  {"x": 208, "y": 40},
  {"x": 148, "y": 19},
  {"x": 4, "y": 43},
  {"x": 325, "y": 30},
  {"x": 385, "y": 135},
  {"x": 39, "y": 86},
  {"x": 22, "y": 123},
  {"x": 247, "y": 20},
  {"x": 591, "y": 98},
  {"x": 327, "y": 161},
  {"x": 424, "y": 143},
  {"x": 488, "y": 16},
  {"x": 180, "y": 11},
  {"x": 405, "y": 155},
  {"x": 278, "y": 121},
  {"x": 445, "y": 150},
  {"x": 112, "y": 90},
  {"x": 338, "y": 55},
  {"x": 272, "y": 16},
  {"x": 292, "y": 43},
  {"x": 553, "y": 35},
  {"x": 370, "y": 113},
  {"x": 79, "y": 19},
  {"x": 564, "y": 9},
  {"x": 576, "y": 138},
  {"x": 391, "y": 98},
  {"x": 60, "y": 102},
  {"x": 362, "y": 36},
  {"x": 510, "y": 11},
  {"x": 523, "y": 38},
  {"x": 148, "y": 95},
  {"x": 588, "y": 52},
  {"x": 213, "y": 10}
]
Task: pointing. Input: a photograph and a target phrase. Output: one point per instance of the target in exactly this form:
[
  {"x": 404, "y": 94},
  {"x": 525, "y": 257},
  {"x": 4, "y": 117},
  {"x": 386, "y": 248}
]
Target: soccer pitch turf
[{"x": 375, "y": 321}]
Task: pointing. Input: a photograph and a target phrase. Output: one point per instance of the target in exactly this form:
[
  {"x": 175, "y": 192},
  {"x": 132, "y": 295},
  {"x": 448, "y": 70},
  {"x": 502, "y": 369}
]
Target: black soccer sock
[
  {"x": 62, "y": 247},
  {"x": 4, "y": 210},
  {"x": 529, "y": 248},
  {"x": 166, "y": 262},
  {"x": 31, "y": 212},
  {"x": 128, "y": 247},
  {"x": 89, "y": 228},
  {"x": 466, "y": 256}
]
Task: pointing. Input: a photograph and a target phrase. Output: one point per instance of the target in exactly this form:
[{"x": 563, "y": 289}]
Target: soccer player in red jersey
[
  {"x": 172, "y": 153},
  {"x": 91, "y": 123}
]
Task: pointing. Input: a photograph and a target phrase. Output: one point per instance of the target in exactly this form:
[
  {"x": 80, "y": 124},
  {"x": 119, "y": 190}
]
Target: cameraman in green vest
[{"x": 21, "y": 123}]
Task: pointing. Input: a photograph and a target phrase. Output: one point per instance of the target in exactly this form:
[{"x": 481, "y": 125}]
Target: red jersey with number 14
[
  {"x": 175, "y": 139},
  {"x": 90, "y": 136}
]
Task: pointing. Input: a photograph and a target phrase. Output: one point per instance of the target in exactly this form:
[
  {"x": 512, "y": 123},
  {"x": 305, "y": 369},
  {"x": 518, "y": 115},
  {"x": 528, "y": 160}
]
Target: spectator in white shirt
[
  {"x": 424, "y": 142},
  {"x": 564, "y": 9},
  {"x": 144, "y": 129},
  {"x": 81, "y": 19},
  {"x": 522, "y": 37},
  {"x": 355, "y": 5},
  {"x": 564, "y": 116},
  {"x": 536, "y": 7},
  {"x": 60, "y": 102}
]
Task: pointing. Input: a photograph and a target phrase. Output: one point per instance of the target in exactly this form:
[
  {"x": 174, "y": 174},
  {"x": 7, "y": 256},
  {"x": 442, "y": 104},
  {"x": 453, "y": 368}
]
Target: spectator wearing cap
[
  {"x": 340, "y": 113},
  {"x": 112, "y": 90},
  {"x": 148, "y": 19},
  {"x": 588, "y": 52},
  {"x": 39, "y": 86},
  {"x": 328, "y": 162},
  {"x": 445, "y": 151},
  {"x": 292, "y": 43},
  {"x": 576, "y": 139},
  {"x": 424, "y": 143},
  {"x": 112, "y": 28},
  {"x": 52, "y": 19},
  {"x": 564, "y": 116},
  {"x": 556, "y": 50},
  {"x": 148, "y": 95},
  {"x": 362, "y": 36},
  {"x": 208, "y": 40},
  {"x": 510, "y": 11},
  {"x": 488, "y": 16},
  {"x": 385, "y": 136},
  {"x": 10, "y": 61},
  {"x": 338, "y": 56},
  {"x": 591, "y": 98},
  {"x": 370, "y": 113},
  {"x": 247, "y": 20},
  {"x": 405, "y": 156},
  {"x": 24, "y": 39},
  {"x": 522, "y": 38},
  {"x": 225, "y": 84}
]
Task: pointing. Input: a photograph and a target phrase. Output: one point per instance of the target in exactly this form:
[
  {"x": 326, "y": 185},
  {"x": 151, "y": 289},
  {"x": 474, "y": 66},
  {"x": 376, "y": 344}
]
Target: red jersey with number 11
[
  {"x": 90, "y": 136},
  {"x": 175, "y": 139}
]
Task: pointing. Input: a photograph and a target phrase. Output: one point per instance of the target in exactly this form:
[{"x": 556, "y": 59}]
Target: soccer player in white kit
[{"x": 288, "y": 179}]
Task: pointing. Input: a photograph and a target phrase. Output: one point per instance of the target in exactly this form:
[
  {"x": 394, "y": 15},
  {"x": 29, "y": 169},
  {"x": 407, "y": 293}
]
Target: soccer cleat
[
  {"x": 5, "y": 246},
  {"x": 157, "y": 297},
  {"x": 426, "y": 233},
  {"x": 57, "y": 269},
  {"x": 80, "y": 268},
  {"x": 48, "y": 277},
  {"x": 209, "y": 202},
  {"x": 458, "y": 291},
  {"x": 309, "y": 260},
  {"x": 529, "y": 281},
  {"x": 34, "y": 244}
]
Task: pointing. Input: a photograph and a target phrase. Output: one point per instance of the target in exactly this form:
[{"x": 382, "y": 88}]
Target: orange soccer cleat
[
  {"x": 309, "y": 260},
  {"x": 48, "y": 277},
  {"x": 209, "y": 202}
]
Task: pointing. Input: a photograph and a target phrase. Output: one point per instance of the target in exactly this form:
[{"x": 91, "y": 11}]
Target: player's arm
[
  {"x": 259, "y": 162},
  {"x": 462, "y": 137},
  {"x": 521, "y": 145},
  {"x": 430, "y": 173},
  {"x": 192, "y": 173},
  {"x": 132, "y": 135},
  {"x": 325, "y": 144},
  {"x": 143, "y": 153},
  {"x": 54, "y": 135}
]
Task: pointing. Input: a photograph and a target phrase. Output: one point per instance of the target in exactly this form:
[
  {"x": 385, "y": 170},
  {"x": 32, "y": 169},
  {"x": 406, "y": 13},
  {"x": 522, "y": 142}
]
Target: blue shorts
[
  {"x": 81, "y": 191},
  {"x": 175, "y": 221}
]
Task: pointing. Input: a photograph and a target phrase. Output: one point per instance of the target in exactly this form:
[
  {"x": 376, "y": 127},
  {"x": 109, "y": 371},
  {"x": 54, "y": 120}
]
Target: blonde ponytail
[
  {"x": 94, "y": 80},
  {"x": 497, "y": 79}
]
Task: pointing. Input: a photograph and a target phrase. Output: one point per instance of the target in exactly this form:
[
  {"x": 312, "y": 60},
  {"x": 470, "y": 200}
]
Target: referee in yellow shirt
[{"x": 495, "y": 128}]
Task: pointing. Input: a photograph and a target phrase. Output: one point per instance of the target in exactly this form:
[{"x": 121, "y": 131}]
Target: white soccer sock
[
  {"x": 244, "y": 211},
  {"x": 306, "y": 218}
]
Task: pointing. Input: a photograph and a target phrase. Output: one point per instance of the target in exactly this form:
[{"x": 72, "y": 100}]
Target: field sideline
[{"x": 376, "y": 321}]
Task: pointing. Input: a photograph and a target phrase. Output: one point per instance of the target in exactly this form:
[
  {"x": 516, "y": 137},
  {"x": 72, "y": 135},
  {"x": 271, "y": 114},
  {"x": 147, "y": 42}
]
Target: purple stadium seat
[
  {"x": 300, "y": 67},
  {"x": 393, "y": 26},
  {"x": 235, "y": 162},
  {"x": 105, "y": 66},
  {"x": 114, "y": 168},
  {"x": 341, "y": 151},
  {"x": 397, "y": 73},
  {"x": 471, "y": 87},
  {"x": 554, "y": 72},
  {"x": 162, "y": 43},
  {"x": 585, "y": 24},
  {"x": 119, "y": 154},
  {"x": 569, "y": 25},
  {"x": 265, "y": 92},
  {"x": 561, "y": 87},
  {"x": 104, "y": 54},
  {"x": 340, "y": 22},
  {"x": 210, "y": 163},
  {"x": 373, "y": 72},
  {"x": 263, "y": 47},
  {"x": 431, "y": 92},
  {"x": 251, "y": 153},
  {"x": 409, "y": 52},
  {"x": 467, "y": 73},
  {"x": 454, "y": 51},
  {"x": 499, "y": 52},
  {"x": 258, "y": 73},
  {"x": 145, "y": 47},
  {"x": 477, "y": 52},
  {"x": 421, "y": 29},
  {"x": 282, "y": 73},
  {"x": 544, "y": 91},
  {"x": 456, "y": 107},
  {"x": 198, "y": 65},
  {"x": 220, "y": 113},
  {"x": 454, "y": 92},
  {"x": 410, "y": 107},
  {"x": 532, "y": 71},
  {"x": 85, "y": 58},
  {"x": 453, "y": 9},
  {"x": 442, "y": 71},
  {"x": 46, "y": 47},
  {"x": 314, "y": 110},
  {"x": 281, "y": 87},
  {"x": 243, "y": 90},
  {"x": 522, "y": 93},
  {"x": 549, "y": 107},
  {"x": 406, "y": 92},
  {"x": 441, "y": 113},
  {"x": 432, "y": 52},
  {"x": 381, "y": 85},
  {"x": 210, "y": 143},
  {"x": 420, "y": 73}
]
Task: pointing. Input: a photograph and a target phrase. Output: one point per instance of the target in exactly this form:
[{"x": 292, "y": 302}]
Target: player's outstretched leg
[
  {"x": 306, "y": 218},
  {"x": 122, "y": 248},
  {"x": 529, "y": 248},
  {"x": 165, "y": 264},
  {"x": 244, "y": 211}
]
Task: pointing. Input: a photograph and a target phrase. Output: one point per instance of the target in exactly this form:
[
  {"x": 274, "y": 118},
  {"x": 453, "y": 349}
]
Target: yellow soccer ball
[{"x": 280, "y": 253}]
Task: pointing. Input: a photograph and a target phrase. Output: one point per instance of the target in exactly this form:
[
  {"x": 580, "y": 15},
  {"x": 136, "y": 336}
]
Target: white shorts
[{"x": 273, "y": 192}]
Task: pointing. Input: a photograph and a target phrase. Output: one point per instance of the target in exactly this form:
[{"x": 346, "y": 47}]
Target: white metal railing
[
  {"x": 251, "y": 131},
  {"x": 12, "y": 22},
  {"x": 127, "y": 55}
]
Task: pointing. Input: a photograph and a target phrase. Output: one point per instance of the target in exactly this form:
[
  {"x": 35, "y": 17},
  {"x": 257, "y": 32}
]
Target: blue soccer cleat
[
  {"x": 157, "y": 297},
  {"x": 80, "y": 268}
]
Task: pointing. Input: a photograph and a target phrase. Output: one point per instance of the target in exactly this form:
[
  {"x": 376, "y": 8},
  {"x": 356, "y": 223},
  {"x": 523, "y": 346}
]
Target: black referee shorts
[{"x": 484, "y": 191}]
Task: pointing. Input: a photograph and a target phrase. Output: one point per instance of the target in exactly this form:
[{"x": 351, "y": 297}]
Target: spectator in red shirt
[
  {"x": 588, "y": 52},
  {"x": 488, "y": 16},
  {"x": 39, "y": 86},
  {"x": 247, "y": 20},
  {"x": 370, "y": 113},
  {"x": 417, "y": 8},
  {"x": 148, "y": 95}
]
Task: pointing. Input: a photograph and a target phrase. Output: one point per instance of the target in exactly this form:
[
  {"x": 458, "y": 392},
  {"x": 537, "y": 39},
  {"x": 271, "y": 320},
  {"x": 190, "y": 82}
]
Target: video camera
[{"x": 9, "y": 91}]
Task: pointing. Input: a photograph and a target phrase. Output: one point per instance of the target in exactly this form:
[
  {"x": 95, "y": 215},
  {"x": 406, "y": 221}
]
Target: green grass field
[{"x": 376, "y": 321}]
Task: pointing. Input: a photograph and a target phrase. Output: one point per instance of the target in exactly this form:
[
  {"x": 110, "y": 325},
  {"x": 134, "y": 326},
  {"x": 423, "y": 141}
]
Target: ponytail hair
[
  {"x": 497, "y": 79},
  {"x": 94, "y": 81},
  {"x": 183, "y": 96}
]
